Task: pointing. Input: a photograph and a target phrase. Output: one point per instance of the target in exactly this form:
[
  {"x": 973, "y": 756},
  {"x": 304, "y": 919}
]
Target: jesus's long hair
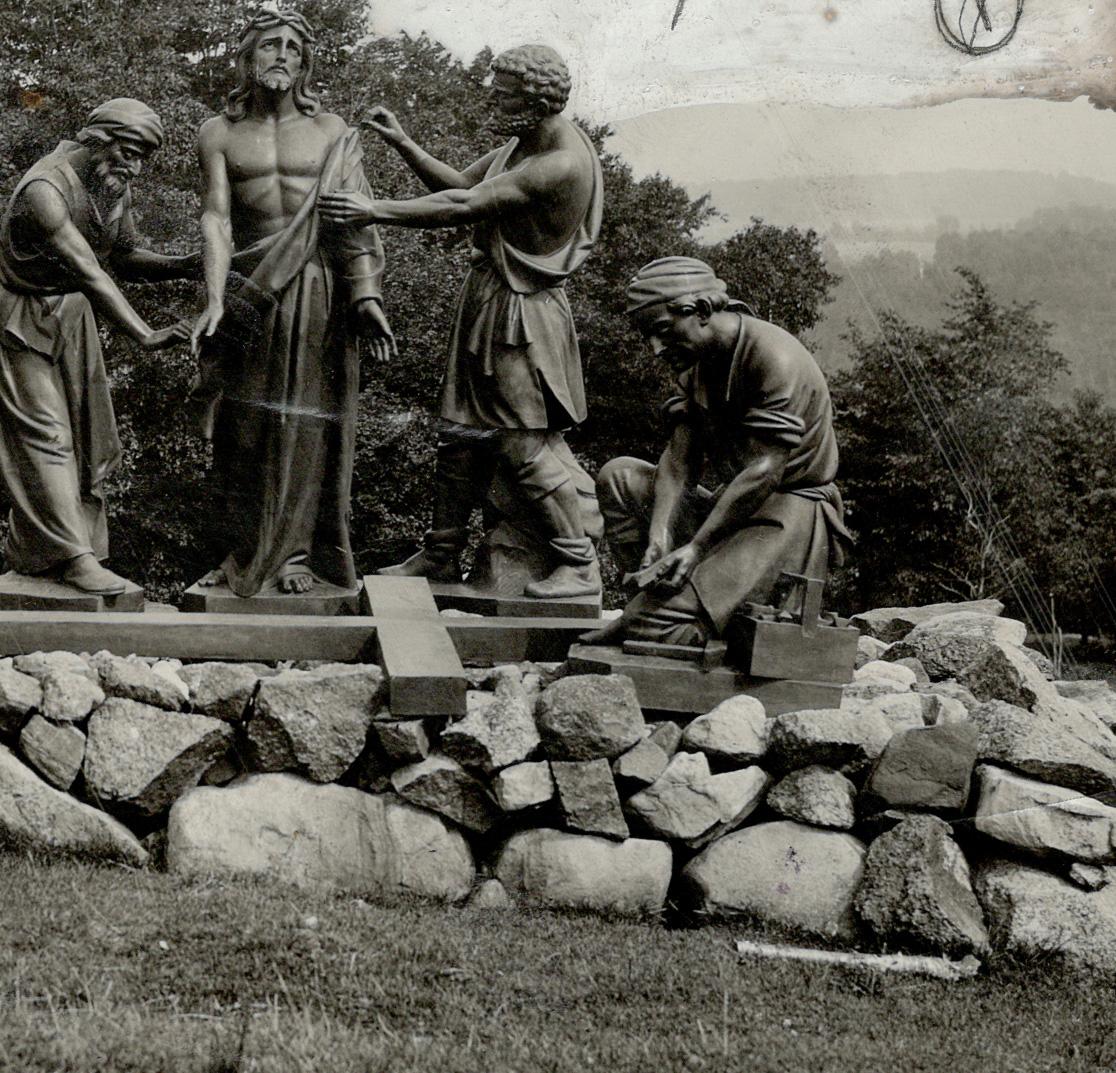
[{"x": 305, "y": 99}]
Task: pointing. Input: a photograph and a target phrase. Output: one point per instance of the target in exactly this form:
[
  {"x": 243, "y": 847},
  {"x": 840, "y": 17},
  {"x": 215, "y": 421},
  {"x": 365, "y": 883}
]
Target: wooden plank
[
  {"x": 259, "y": 637},
  {"x": 478, "y": 601},
  {"x": 674, "y": 686},
  {"x": 190, "y": 636},
  {"x": 421, "y": 664},
  {"x": 514, "y": 640}
]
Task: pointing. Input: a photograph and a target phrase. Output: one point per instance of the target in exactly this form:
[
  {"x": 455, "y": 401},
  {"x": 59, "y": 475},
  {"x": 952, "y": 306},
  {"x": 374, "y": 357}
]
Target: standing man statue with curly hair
[
  {"x": 514, "y": 380},
  {"x": 279, "y": 362},
  {"x": 69, "y": 217}
]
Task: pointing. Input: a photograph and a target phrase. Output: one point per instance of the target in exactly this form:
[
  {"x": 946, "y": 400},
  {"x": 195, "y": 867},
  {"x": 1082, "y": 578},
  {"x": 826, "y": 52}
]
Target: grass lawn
[{"x": 105, "y": 970}]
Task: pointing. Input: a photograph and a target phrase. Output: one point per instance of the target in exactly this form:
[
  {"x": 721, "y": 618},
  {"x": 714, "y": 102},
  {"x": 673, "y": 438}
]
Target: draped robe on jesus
[{"x": 279, "y": 383}]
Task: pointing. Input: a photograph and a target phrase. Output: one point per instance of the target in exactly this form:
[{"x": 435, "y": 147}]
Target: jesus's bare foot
[
  {"x": 295, "y": 577},
  {"x": 83, "y": 572},
  {"x": 214, "y": 577}
]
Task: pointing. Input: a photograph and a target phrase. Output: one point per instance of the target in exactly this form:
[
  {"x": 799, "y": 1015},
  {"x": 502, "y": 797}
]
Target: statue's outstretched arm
[
  {"x": 51, "y": 215},
  {"x": 434, "y": 174}
]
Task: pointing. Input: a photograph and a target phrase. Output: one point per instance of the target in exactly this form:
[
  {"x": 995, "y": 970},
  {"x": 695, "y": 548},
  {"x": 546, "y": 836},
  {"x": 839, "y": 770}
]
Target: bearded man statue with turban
[
  {"x": 744, "y": 490},
  {"x": 69, "y": 217}
]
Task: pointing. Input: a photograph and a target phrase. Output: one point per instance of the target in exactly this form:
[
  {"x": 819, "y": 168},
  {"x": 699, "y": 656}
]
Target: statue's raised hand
[{"x": 384, "y": 123}]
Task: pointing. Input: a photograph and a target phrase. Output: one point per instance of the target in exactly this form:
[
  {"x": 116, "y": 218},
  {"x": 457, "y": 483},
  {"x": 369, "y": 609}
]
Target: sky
[
  {"x": 627, "y": 59},
  {"x": 755, "y": 89}
]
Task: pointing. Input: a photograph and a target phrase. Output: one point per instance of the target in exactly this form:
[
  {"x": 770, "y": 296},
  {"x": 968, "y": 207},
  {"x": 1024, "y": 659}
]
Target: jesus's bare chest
[{"x": 271, "y": 167}]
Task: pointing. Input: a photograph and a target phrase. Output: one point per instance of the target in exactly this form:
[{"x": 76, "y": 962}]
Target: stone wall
[{"x": 954, "y": 804}]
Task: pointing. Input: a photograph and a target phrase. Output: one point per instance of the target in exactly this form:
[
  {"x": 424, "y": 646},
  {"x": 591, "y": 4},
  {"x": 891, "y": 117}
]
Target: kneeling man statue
[{"x": 744, "y": 490}]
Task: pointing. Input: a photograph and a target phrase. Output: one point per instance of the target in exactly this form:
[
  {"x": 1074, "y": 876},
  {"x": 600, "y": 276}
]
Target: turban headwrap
[
  {"x": 123, "y": 117},
  {"x": 671, "y": 278}
]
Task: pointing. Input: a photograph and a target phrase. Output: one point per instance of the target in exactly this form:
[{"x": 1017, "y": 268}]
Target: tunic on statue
[
  {"x": 773, "y": 390},
  {"x": 279, "y": 385},
  {"x": 514, "y": 361},
  {"x": 58, "y": 438}
]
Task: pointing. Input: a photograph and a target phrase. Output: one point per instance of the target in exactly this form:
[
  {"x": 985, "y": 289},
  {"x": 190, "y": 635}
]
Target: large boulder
[
  {"x": 1031, "y": 913},
  {"x": 815, "y": 795},
  {"x": 286, "y": 828},
  {"x": 40, "y": 664},
  {"x": 831, "y": 737},
  {"x": 142, "y": 758},
  {"x": 589, "y": 717},
  {"x": 735, "y": 732},
  {"x": 680, "y": 803},
  {"x": 1003, "y": 672},
  {"x": 568, "y": 871},
  {"x": 868, "y": 649},
  {"x": 901, "y": 711},
  {"x": 916, "y": 892},
  {"x": 890, "y": 624},
  {"x": 1044, "y": 819},
  {"x": 946, "y": 643},
  {"x": 36, "y": 816},
  {"x": 315, "y": 722},
  {"x": 899, "y": 677},
  {"x": 221, "y": 690},
  {"x": 525, "y": 785},
  {"x": 54, "y": 750},
  {"x": 69, "y": 697},
  {"x": 1062, "y": 752},
  {"x": 442, "y": 785},
  {"x": 133, "y": 680},
  {"x": 925, "y": 768},
  {"x": 20, "y": 695},
  {"x": 498, "y": 729},
  {"x": 1095, "y": 694},
  {"x": 783, "y": 872},
  {"x": 588, "y": 799},
  {"x": 640, "y": 766},
  {"x": 404, "y": 741},
  {"x": 737, "y": 794}
]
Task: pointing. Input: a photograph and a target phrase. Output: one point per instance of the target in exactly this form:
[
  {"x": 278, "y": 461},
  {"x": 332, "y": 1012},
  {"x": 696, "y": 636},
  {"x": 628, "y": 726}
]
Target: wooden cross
[{"x": 421, "y": 651}]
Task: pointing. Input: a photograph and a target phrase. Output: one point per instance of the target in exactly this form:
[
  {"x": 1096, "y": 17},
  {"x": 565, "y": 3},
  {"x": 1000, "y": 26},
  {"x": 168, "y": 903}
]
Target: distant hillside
[
  {"x": 909, "y": 205},
  {"x": 1062, "y": 259}
]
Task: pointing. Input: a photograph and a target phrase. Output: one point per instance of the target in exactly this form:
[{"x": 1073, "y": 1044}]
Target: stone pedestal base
[
  {"x": 23, "y": 592},
  {"x": 322, "y": 599},
  {"x": 487, "y": 601}
]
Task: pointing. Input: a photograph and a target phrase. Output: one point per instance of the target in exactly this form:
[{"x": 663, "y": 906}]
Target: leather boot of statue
[
  {"x": 557, "y": 509},
  {"x": 455, "y": 494}
]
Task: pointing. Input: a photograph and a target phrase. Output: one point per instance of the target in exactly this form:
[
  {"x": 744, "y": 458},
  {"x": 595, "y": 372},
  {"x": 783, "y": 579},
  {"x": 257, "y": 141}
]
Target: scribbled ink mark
[
  {"x": 963, "y": 39},
  {"x": 677, "y": 13}
]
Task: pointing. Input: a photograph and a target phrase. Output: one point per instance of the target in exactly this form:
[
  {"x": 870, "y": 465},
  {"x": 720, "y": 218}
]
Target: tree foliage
[
  {"x": 962, "y": 478},
  {"x": 69, "y": 55}
]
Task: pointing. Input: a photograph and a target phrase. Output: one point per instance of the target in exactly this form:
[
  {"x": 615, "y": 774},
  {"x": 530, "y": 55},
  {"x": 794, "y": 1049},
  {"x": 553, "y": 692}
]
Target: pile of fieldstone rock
[{"x": 954, "y": 803}]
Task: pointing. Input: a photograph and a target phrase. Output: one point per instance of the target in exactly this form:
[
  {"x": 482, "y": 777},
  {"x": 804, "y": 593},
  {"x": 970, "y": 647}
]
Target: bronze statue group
[{"x": 292, "y": 263}]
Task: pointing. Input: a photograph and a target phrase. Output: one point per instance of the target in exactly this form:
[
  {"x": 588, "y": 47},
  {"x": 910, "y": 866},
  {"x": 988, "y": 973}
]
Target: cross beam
[{"x": 234, "y": 637}]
